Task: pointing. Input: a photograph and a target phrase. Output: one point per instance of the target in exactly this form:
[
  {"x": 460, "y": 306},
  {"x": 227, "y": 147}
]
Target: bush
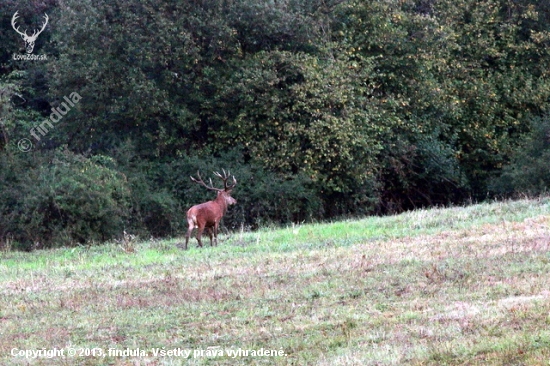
[
  {"x": 420, "y": 172},
  {"x": 528, "y": 171},
  {"x": 62, "y": 199}
]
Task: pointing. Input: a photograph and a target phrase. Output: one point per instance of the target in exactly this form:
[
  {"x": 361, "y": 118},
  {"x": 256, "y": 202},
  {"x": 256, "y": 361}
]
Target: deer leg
[
  {"x": 210, "y": 235},
  {"x": 216, "y": 233},
  {"x": 189, "y": 231},
  {"x": 199, "y": 234}
]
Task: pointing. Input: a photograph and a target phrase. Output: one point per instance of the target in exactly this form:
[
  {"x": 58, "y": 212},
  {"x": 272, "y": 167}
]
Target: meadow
[{"x": 448, "y": 286}]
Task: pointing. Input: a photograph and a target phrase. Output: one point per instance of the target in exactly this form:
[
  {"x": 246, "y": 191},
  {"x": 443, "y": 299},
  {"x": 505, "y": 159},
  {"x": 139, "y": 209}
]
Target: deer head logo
[{"x": 29, "y": 40}]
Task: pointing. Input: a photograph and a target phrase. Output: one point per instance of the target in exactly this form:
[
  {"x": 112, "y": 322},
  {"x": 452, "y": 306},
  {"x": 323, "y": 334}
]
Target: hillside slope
[{"x": 441, "y": 286}]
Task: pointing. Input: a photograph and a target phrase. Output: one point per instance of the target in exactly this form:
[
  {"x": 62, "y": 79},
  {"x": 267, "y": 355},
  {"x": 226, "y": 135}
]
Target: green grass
[{"x": 464, "y": 285}]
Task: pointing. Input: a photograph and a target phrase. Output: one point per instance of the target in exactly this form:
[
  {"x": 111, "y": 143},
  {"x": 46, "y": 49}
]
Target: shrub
[
  {"x": 63, "y": 199},
  {"x": 528, "y": 170}
]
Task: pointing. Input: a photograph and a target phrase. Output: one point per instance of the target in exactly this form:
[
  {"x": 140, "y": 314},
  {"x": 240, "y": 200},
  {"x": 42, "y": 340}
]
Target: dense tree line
[{"x": 320, "y": 108}]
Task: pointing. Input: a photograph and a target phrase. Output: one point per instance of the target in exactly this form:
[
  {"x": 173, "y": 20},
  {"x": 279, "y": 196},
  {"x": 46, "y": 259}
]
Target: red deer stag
[{"x": 208, "y": 215}]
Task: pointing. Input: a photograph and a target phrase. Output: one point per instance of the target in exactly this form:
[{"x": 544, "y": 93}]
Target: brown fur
[{"x": 209, "y": 214}]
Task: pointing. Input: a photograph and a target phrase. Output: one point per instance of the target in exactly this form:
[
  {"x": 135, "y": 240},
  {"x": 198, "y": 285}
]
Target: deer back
[{"x": 211, "y": 212}]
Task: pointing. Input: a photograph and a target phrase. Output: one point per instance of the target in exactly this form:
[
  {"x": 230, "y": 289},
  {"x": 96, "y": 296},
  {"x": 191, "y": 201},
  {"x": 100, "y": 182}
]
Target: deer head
[
  {"x": 29, "y": 40},
  {"x": 225, "y": 191}
]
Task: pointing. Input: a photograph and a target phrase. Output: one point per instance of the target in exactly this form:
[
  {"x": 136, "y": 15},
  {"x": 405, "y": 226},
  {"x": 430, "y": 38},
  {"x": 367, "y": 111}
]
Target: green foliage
[
  {"x": 528, "y": 171},
  {"x": 462, "y": 69},
  {"x": 155, "y": 85},
  {"x": 320, "y": 108},
  {"x": 295, "y": 114},
  {"x": 421, "y": 172},
  {"x": 62, "y": 199},
  {"x": 135, "y": 85}
]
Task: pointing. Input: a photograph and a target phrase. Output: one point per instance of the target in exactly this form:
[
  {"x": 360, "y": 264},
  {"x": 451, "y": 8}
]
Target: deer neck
[{"x": 220, "y": 200}]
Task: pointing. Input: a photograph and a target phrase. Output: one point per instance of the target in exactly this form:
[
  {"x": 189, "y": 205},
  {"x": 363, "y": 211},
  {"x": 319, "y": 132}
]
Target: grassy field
[{"x": 467, "y": 285}]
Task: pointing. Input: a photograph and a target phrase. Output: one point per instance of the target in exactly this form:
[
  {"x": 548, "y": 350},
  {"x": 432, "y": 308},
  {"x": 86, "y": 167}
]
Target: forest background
[{"x": 321, "y": 109}]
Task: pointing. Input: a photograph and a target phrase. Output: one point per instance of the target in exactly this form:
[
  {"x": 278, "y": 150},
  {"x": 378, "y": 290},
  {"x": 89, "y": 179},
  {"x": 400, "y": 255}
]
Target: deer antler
[
  {"x": 224, "y": 177},
  {"x": 201, "y": 182}
]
